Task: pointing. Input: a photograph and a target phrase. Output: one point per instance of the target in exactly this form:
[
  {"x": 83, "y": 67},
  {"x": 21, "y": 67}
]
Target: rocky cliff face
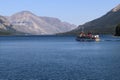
[
  {"x": 4, "y": 23},
  {"x": 5, "y": 26},
  {"x": 105, "y": 24},
  {"x": 117, "y": 8},
  {"x": 28, "y": 22}
]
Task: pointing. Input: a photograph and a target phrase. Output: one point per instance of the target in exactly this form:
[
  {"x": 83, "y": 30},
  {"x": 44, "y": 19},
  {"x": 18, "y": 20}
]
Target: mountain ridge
[
  {"x": 116, "y": 8},
  {"x": 27, "y": 22},
  {"x": 103, "y": 25}
]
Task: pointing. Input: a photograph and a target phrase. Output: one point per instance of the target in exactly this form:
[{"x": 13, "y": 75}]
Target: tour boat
[{"x": 88, "y": 37}]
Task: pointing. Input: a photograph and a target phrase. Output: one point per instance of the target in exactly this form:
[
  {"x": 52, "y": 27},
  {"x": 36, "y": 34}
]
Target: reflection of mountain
[
  {"x": 104, "y": 24},
  {"x": 28, "y": 22}
]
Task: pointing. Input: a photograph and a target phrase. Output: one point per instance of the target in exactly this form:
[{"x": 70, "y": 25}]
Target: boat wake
[{"x": 111, "y": 40}]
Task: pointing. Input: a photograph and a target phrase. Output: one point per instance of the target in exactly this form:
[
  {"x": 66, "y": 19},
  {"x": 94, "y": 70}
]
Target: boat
[{"x": 88, "y": 37}]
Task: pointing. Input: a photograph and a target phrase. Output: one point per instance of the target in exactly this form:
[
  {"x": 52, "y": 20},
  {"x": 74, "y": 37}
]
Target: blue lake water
[{"x": 59, "y": 58}]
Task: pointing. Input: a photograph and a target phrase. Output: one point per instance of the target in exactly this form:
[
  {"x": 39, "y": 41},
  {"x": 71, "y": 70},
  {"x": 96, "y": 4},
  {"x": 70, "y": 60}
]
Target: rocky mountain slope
[
  {"x": 5, "y": 26},
  {"x": 105, "y": 24},
  {"x": 4, "y": 23},
  {"x": 30, "y": 23}
]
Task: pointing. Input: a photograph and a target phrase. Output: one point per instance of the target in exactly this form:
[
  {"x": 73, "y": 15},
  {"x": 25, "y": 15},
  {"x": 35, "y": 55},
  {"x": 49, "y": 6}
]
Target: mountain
[
  {"x": 104, "y": 25},
  {"x": 5, "y": 26},
  {"x": 62, "y": 26},
  {"x": 30, "y": 23},
  {"x": 4, "y": 23}
]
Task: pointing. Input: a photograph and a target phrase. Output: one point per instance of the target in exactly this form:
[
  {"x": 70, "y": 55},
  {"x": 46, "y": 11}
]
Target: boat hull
[{"x": 87, "y": 39}]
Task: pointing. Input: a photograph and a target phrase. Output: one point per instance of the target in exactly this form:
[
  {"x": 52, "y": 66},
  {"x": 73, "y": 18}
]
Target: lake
[{"x": 59, "y": 58}]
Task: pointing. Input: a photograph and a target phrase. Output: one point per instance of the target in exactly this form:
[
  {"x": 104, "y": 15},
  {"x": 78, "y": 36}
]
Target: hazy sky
[{"x": 73, "y": 11}]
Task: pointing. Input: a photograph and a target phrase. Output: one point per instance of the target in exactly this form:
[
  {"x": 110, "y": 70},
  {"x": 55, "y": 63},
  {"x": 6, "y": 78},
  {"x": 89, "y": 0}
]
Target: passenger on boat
[
  {"x": 82, "y": 35},
  {"x": 89, "y": 35}
]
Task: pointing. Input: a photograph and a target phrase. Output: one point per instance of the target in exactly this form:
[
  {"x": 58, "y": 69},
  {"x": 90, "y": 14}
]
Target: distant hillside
[
  {"x": 5, "y": 26},
  {"x": 62, "y": 26},
  {"x": 27, "y": 22},
  {"x": 103, "y": 25},
  {"x": 4, "y": 23}
]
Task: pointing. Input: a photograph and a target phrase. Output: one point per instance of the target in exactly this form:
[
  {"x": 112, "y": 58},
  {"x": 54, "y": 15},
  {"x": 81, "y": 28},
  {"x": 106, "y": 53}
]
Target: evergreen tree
[{"x": 117, "y": 30}]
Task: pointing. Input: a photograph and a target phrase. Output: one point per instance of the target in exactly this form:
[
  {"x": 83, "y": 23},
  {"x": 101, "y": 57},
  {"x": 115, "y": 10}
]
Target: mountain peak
[
  {"x": 116, "y": 8},
  {"x": 28, "y": 22},
  {"x": 24, "y": 13}
]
